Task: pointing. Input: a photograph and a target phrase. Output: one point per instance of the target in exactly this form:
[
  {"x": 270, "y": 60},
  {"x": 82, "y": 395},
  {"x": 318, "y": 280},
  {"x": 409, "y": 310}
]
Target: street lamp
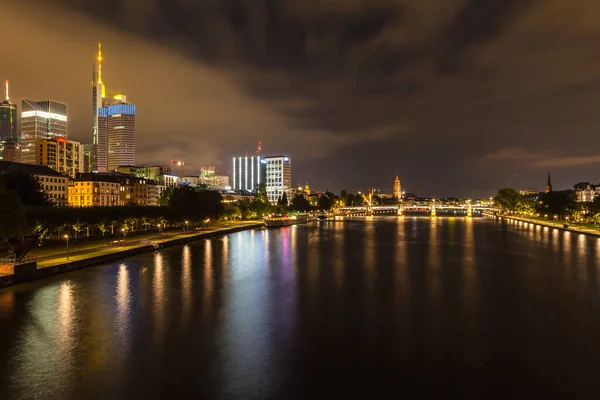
[
  {"x": 124, "y": 233},
  {"x": 207, "y": 221},
  {"x": 186, "y": 225},
  {"x": 67, "y": 237}
]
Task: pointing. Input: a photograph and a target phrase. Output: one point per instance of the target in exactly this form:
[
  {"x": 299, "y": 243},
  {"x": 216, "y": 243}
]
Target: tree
[
  {"x": 283, "y": 201},
  {"x": 299, "y": 203},
  {"x": 27, "y": 188},
  {"x": 324, "y": 203},
  {"x": 344, "y": 197},
  {"x": 508, "y": 199},
  {"x": 12, "y": 216},
  {"x": 561, "y": 203}
]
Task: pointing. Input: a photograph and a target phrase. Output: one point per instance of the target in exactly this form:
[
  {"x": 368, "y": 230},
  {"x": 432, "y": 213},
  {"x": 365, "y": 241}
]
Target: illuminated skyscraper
[
  {"x": 248, "y": 173},
  {"x": 116, "y": 128},
  {"x": 278, "y": 177},
  {"x": 97, "y": 151},
  {"x": 8, "y": 119},
  {"x": 41, "y": 120}
]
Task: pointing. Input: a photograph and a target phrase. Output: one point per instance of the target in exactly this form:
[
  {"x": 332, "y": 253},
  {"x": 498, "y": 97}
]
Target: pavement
[
  {"x": 55, "y": 255},
  {"x": 581, "y": 228}
]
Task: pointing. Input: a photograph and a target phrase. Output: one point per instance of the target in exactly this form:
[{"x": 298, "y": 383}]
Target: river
[{"x": 365, "y": 307}]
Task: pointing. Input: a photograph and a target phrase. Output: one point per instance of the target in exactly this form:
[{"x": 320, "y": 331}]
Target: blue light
[
  {"x": 263, "y": 161},
  {"x": 286, "y": 159}
]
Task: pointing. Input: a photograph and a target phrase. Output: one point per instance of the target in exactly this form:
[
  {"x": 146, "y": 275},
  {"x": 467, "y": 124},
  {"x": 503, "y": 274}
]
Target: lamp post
[
  {"x": 186, "y": 225},
  {"x": 124, "y": 233},
  {"x": 207, "y": 221},
  {"x": 67, "y": 237}
]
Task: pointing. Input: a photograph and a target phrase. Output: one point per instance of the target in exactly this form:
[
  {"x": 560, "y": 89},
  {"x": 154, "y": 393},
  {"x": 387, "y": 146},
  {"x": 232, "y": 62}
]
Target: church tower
[
  {"x": 549, "y": 184},
  {"x": 397, "y": 189}
]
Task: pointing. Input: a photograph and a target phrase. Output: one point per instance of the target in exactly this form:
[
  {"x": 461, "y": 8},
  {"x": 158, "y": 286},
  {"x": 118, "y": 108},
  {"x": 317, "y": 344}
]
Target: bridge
[{"x": 468, "y": 208}]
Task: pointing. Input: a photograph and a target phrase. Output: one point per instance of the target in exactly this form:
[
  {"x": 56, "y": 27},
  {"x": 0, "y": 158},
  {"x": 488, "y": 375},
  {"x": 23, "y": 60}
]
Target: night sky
[{"x": 459, "y": 97}]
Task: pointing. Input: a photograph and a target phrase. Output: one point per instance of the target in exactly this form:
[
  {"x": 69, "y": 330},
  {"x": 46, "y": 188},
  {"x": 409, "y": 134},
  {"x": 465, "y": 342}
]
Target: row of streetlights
[{"x": 125, "y": 233}]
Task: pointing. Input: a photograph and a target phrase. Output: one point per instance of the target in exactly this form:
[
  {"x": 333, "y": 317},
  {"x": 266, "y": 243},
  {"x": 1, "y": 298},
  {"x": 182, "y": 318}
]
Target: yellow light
[{"x": 118, "y": 97}]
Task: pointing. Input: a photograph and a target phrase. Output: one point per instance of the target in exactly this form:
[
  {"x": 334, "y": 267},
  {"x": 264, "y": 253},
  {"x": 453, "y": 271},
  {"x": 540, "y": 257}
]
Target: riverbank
[
  {"x": 59, "y": 263},
  {"x": 552, "y": 224}
]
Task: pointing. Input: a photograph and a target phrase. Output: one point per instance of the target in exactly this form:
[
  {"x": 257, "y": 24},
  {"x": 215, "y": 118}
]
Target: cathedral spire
[{"x": 549, "y": 184}]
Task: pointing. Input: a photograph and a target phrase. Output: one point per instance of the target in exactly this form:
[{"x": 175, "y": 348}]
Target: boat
[{"x": 285, "y": 220}]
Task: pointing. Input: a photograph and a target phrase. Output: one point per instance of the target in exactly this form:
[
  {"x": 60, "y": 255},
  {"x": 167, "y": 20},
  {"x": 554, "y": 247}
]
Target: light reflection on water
[{"x": 286, "y": 313}]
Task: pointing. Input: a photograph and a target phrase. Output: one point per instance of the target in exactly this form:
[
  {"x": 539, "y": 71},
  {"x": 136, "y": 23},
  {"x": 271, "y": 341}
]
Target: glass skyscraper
[
  {"x": 8, "y": 120},
  {"x": 116, "y": 135}
]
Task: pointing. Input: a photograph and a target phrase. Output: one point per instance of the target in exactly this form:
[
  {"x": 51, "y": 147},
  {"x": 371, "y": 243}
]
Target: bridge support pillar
[
  {"x": 400, "y": 212},
  {"x": 369, "y": 212},
  {"x": 433, "y": 212}
]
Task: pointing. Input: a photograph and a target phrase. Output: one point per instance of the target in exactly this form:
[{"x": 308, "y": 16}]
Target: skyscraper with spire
[
  {"x": 98, "y": 150},
  {"x": 549, "y": 184},
  {"x": 8, "y": 119}
]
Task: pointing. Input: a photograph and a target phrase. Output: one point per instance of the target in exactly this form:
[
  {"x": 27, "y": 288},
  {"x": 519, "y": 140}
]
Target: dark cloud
[{"x": 457, "y": 96}]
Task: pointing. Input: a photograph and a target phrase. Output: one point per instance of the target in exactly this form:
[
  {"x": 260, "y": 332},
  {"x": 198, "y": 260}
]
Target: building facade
[
  {"x": 586, "y": 192},
  {"x": 150, "y": 172},
  {"x": 222, "y": 181},
  {"x": 41, "y": 120},
  {"x": 247, "y": 173},
  {"x": 8, "y": 119},
  {"x": 278, "y": 177},
  {"x": 94, "y": 190},
  {"x": 116, "y": 135},
  {"x": 62, "y": 155},
  {"x": 10, "y": 151},
  {"x": 54, "y": 184}
]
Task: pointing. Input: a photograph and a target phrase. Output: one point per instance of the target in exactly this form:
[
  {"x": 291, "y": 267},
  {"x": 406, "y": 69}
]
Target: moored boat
[{"x": 285, "y": 220}]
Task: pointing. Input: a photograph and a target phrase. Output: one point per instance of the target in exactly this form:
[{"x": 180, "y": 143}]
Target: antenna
[
  {"x": 259, "y": 148},
  {"x": 6, "y": 83}
]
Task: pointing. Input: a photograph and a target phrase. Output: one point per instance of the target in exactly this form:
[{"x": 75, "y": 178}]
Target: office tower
[
  {"x": 248, "y": 173},
  {"x": 8, "y": 119},
  {"x": 278, "y": 177},
  {"x": 41, "y": 120},
  {"x": 98, "y": 94},
  {"x": 116, "y": 128},
  {"x": 62, "y": 155}
]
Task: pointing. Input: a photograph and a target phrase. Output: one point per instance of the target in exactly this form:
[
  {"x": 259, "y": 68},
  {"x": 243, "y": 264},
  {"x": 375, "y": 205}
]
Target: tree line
[{"x": 552, "y": 205}]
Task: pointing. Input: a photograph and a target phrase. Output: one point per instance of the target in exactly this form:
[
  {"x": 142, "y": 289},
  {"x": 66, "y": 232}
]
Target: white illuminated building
[
  {"x": 278, "y": 177},
  {"x": 41, "y": 120},
  {"x": 247, "y": 173}
]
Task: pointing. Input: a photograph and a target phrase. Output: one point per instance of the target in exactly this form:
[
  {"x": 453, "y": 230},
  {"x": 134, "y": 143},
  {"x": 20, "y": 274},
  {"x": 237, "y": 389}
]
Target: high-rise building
[
  {"x": 397, "y": 189},
  {"x": 98, "y": 93},
  {"x": 116, "y": 129},
  {"x": 10, "y": 151},
  {"x": 278, "y": 177},
  {"x": 8, "y": 119},
  {"x": 41, "y": 120},
  {"x": 248, "y": 173},
  {"x": 62, "y": 155}
]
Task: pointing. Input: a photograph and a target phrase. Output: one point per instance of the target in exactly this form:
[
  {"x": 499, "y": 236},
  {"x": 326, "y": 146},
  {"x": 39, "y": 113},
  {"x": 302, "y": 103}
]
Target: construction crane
[{"x": 180, "y": 164}]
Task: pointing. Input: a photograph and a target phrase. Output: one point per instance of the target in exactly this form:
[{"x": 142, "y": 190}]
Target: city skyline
[{"x": 461, "y": 122}]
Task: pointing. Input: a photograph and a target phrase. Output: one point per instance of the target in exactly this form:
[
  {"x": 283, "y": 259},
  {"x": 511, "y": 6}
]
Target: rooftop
[{"x": 31, "y": 169}]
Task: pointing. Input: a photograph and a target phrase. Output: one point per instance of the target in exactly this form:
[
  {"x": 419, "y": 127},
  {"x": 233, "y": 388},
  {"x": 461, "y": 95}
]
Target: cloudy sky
[{"x": 459, "y": 97}]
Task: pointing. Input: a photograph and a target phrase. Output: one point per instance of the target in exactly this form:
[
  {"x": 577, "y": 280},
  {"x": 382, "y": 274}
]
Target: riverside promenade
[
  {"x": 587, "y": 229},
  {"x": 54, "y": 260}
]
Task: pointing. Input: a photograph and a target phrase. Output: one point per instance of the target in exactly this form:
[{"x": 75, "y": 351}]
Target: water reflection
[
  {"x": 186, "y": 283},
  {"x": 123, "y": 299},
  {"x": 158, "y": 296}
]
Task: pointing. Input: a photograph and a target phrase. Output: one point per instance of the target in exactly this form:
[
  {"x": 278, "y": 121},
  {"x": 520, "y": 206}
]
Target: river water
[{"x": 366, "y": 307}]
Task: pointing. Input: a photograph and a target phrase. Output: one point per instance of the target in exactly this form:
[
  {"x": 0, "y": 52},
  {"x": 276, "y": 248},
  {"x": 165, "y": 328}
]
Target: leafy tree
[
  {"x": 324, "y": 203},
  {"x": 299, "y": 203},
  {"x": 283, "y": 201},
  {"x": 562, "y": 203},
  {"x": 27, "y": 188},
  {"x": 12, "y": 216},
  {"x": 344, "y": 197},
  {"x": 508, "y": 199}
]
